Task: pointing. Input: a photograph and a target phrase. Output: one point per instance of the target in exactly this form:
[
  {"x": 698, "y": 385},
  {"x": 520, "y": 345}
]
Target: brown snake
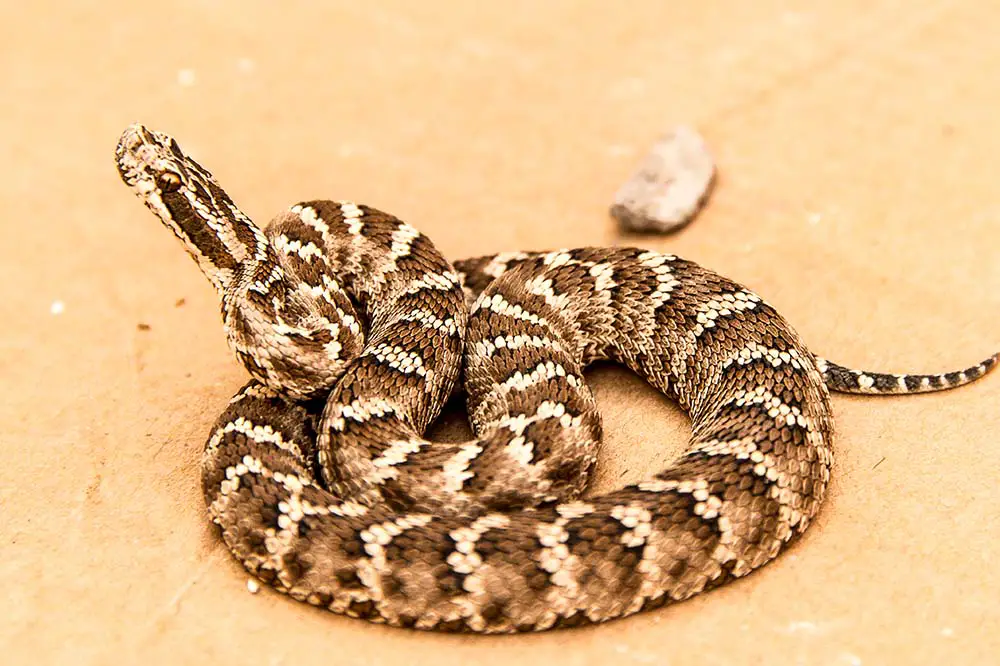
[{"x": 354, "y": 329}]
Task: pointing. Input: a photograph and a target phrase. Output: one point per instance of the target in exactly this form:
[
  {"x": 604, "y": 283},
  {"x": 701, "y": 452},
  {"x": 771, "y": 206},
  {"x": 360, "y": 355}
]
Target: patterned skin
[{"x": 354, "y": 329}]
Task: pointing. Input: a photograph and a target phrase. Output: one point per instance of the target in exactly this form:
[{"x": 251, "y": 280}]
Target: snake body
[{"x": 355, "y": 329}]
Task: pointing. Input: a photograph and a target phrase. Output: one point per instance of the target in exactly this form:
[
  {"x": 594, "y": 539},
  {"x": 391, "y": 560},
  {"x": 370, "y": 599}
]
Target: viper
[{"x": 355, "y": 331}]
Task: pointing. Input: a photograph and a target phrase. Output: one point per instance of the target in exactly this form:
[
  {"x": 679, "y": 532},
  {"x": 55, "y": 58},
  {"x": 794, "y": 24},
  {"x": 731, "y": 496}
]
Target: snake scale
[{"x": 356, "y": 330}]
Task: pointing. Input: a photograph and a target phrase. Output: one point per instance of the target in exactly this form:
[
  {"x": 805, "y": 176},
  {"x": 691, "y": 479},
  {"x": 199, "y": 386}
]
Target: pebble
[{"x": 670, "y": 186}]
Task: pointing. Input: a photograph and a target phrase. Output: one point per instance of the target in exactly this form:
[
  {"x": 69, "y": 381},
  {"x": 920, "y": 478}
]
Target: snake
[{"x": 356, "y": 331}]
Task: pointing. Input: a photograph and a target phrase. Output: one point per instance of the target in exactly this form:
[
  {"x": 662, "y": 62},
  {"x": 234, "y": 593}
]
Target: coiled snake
[{"x": 354, "y": 329}]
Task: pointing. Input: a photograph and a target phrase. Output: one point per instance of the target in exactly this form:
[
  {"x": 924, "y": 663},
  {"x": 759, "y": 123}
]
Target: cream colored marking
[
  {"x": 660, "y": 486},
  {"x": 431, "y": 320},
  {"x": 775, "y": 357},
  {"x": 558, "y": 258},
  {"x": 723, "y": 305},
  {"x": 311, "y": 291},
  {"x": 304, "y": 250},
  {"x": 571, "y": 510},
  {"x": 520, "y": 450},
  {"x": 399, "y": 247},
  {"x": 637, "y": 520},
  {"x": 402, "y": 239},
  {"x": 431, "y": 280},
  {"x": 456, "y": 468},
  {"x": 333, "y": 347},
  {"x": 501, "y": 306},
  {"x": 347, "y": 320},
  {"x": 464, "y": 559},
  {"x": 655, "y": 259},
  {"x": 547, "y": 409},
  {"x": 666, "y": 282},
  {"x": 540, "y": 373},
  {"x": 309, "y": 216},
  {"x": 741, "y": 448},
  {"x": 350, "y": 209},
  {"x": 486, "y": 348},
  {"x": 349, "y": 509},
  {"x": 499, "y": 263},
  {"x": 353, "y": 217},
  {"x": 254, "y": 391},
  {"x": 262, "y": 434},
  {"x": 398, "y": 452},
  {"x": 397, "y": 358},
  {"x": 603, "y": 275},
  {"x": 542, "y": 286},
  {"x": 554, "y": 557},
  {"x": 782, "y": 413},
  {"x": 359, "y": 410}
]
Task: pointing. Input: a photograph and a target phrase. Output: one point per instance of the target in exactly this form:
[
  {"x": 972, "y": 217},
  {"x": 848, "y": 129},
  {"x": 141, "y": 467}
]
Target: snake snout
[
  {"x": 130, "y": 140},
  {"x": 127, "y": 151}
]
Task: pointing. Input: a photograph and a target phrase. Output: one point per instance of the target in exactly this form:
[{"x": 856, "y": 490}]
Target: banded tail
[{"x": 845, "y": 380}]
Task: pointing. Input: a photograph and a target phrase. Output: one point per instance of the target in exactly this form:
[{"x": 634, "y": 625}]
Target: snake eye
[{"x": 168, "y": 181}]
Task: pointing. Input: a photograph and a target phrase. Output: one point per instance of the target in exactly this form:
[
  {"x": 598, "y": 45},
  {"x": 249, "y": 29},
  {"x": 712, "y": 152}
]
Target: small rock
[
  {"x": 670, "y": 186},
  {"x": 253, "y": 586}
]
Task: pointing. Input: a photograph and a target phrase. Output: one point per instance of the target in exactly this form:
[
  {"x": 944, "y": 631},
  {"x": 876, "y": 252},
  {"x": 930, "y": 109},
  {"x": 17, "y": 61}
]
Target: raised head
[{"x": 189, "y": 201}]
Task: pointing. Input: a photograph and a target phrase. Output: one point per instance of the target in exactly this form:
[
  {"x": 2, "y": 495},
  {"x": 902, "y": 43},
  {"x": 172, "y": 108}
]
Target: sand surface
[{"x": 857, "y": 149}]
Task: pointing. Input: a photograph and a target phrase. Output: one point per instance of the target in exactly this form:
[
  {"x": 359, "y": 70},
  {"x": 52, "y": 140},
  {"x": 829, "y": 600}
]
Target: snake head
[
  {"x": 189, "y": 202},
  {"x": 149, "y": 161}
]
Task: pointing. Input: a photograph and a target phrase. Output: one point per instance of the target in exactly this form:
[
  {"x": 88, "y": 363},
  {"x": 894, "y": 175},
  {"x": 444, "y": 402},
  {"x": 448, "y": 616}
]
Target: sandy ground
[{"x": 857, "y": 147}]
